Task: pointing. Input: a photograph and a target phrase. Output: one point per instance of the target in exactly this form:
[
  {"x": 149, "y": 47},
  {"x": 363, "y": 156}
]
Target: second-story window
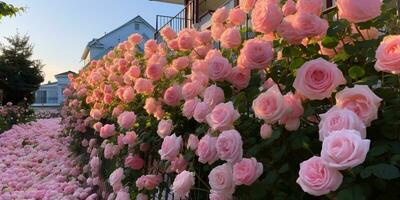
[{"x": 137, "y": 26}]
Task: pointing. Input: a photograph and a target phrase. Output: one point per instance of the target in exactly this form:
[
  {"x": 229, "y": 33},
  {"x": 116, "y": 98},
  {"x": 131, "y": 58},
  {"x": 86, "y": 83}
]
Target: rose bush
[{"x": 268, "y": 116}]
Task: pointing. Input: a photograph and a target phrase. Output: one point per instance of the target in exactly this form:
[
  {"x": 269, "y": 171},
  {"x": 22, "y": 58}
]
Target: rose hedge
[
  {"x": 15, "y": 114},
  {"x": 308, "y": 106}
]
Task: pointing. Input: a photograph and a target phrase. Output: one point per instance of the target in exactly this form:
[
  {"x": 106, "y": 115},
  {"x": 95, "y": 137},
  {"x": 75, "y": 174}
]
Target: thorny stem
[
  {"x": 359, "y": 32},
  {"x": 202, "y": 181}
]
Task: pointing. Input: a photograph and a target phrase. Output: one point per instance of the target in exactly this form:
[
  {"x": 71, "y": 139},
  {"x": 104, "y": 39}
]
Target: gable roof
[
  {"x": 65, "y": 73},
  {"x": 97, "y": 41}
]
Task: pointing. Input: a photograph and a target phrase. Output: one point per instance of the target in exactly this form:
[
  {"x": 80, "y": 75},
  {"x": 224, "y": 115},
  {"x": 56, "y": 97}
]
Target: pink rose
[
  {"x": 266, "y": 131},
  {"x": 317, "y": 179},
  {"x": 130, "y": 137},
  {"x": 255, "y": 54},
  {"x": 117, "y": 111},
  {"x": 240, "y": 77},
  {"x": 247, "y": 171},
  {"x": 361, "y": 100},
  {"x": 173, "y": 44},
  {"x": 309, "y": 25},
  {"x": 247, "y": 5},
  {"x": 154, "y": 71},
  {"x": 170, "y": 72},
  {"x": 266, "y": 16},
  {"x": 122, "y": 195},
  {"x": 270, "y": 105},
  {"x": 182, "y": 184},
  {"x": 201, "y": 111},
  {"x": 115, "y": 179},
  {"x": 95, "y": 165},
  {"x": 219, "y": 196},
  {"x": 172, "y": 95},
  {"x": 294, "y": 111},
  {"x": 97, "y": 126},
  {"x": 217, "y": 30},
  {"x": 289, "y": 32},
  {"x": 204, "y": 37},
  {"x": 170, "y": 147},
  {"x": 213, "y": 95},
  {"x": 337, "y": 119},
  {"x": 192, "y": 142},
  {"x": 135, "y": 38},
  {"x": 189, "y": 106},
  {"x": 142, "y": 196},
  {"x": 220, "y": 15},
  {"x": 230, "y": 38},
  {"x": 356, "y": 11},
  {"x": 289, "y": 8},
  {"x": 190, "y": 90},
  {"x": 317, "y": 79},
  {"x": 344, "y": 149},
  {"x": 186, "y": 39},
  {"x": 150, "y": 48},
  {"x": 229, "y": 146},
  {"x": 164, "y": 128},
  {"x": 222, "y": 117},
  {"x": 237, "y": 16},
  {"x": 107, "y": 130},
  {"x": 134, "y": 162},
  {"x": 96, "y": 114},
  {"x": 127, "y": 119},
  {"x": 388, "y": 56},
  {"x": 181, "y": 63},
  {"x": 148, "y": 182},
  {"x": 150, "y": 105},
  {"x": 206, "y": 149},
  {"x": 168, "y": 33},
  {"x": 221, "y": 179},
  {"x": 144, "y": 86},
  {"x": 311, "y": 6},
  {"x": 178, "y": 165},
  {"x": 219, "y": 68},
  {"x": 368, "y": 34}
]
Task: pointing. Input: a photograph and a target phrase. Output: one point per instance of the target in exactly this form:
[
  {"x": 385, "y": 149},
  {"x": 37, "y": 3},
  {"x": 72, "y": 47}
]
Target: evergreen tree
[{"x": 20, "y": 75}]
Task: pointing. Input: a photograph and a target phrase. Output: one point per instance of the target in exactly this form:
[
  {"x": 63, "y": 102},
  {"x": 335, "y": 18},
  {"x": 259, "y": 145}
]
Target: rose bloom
[
  {"x": 221, "y": 179},
  {"x": 361, "y": 100},
  {"x": 181, "y": 63},
  {"x": 237, "y": 16},
  {"x": 240, "y": 77},
  {"x": 189, "y": 106},
  {"x": 219, "y": 68},
  {"x": 135, "y": 38},
  {"x": 173, "y": 44},
  {"x": 117, "y": 111},
  {"x": 201, "y": 111},
  {"x": 206, "y": 149},
  {"x": 168, "y": 33},
  {"x": 294, "y": 111},
  {"x": 126, "y": 119},
  {"x": 182, "y": 184},
  {"x": 344, "y": 149},
  {"x": 192, "y": 142},
  {"x": 204, "y": 37},
  {"x": 247, "y": 5},
  {"x": 150, "y": 105},
  {"x": 97, "y": 126},
  {"x": 122, "y": 195},
  {"x": 229, "y": 146},
  {"x": 148, "y": 182},
  {"x": 255, "y": 54},
  {"x": 186, "y": 39},
  {"x": 230, "y": 38},
  {"x": 116, "y": 178},
  {"x": 170, "y": 147},
  {"x": 247, "y": 171},
  {"x": 337, "y": 119},
  {"x": 270, "y": 105},
  {"x": 388, "y": 55},
  {"x": 288, "y": 32},
  {"x": 178, "y": 165},
  {"x": 220, "y": 15},
  {"x": 144, "y": 86},
  {"x": 191, "y": 89},
  {"x": 142, "y": 196},
  {"x": 219, "y": 196},
  {"x": 222, "y": 117},
  {"x": 164, "y": 128},
  {"x": 154, "y": 71},
  {"x": 213, "y": 95},
  {"x": 130, "y": 137},
  {"x": 356, "y": 11},
  {"x": 150, "y": 48},
  {"x": 107, "y": 130},
  {"x": 317, "y": 79},
  {"x": 266, "y": 131},
  {"x": 134, "y": 162},
  {"x": 317, "y": 179},
  {"x": 172, "y": 95},
  {"x": 289, "y": 8},
  {"x": 216, "y": 31},
  {"x": 311, "y": 6},
  {"x": 310, "y": 25},
  {"x": 266, "y": 16}
]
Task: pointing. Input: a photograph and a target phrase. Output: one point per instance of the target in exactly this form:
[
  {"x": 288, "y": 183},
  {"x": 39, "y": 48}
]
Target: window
[
  {"x": 41, "y": 97},
  {"x": 137, "y": 26}
]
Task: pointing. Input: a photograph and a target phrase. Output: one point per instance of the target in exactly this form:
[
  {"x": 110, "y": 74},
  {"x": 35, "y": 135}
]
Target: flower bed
[
  {"x": 13, "y": 114},
  {"x": 309, "y": 106}
]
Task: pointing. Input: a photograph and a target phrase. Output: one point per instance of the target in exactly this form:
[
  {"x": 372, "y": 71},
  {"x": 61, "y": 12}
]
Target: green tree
[
  {"x": 20, "y": 75},
  {"x": 8, "y": 9}
]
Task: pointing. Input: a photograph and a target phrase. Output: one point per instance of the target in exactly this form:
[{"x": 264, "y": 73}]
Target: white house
[
  {"x": 96, "y": 48},
  {"x": 51, "y": 94}
]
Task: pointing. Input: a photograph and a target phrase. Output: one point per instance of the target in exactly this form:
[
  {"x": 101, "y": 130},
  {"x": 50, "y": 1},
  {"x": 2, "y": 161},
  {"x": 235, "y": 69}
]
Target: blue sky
[{"x": 60, "y": 29}]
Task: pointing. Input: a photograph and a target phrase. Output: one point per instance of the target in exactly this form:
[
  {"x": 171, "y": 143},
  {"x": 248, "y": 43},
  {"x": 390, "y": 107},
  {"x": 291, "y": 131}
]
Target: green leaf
[
  {"x": 385, "y": 171},
  {"x": 296, "y": 63},
  {"x": 356, "y": 72},
  {"x": 330, "y": 42},
  {"x": 354, "y": 192},
  {"x": 341, "y": 56}
]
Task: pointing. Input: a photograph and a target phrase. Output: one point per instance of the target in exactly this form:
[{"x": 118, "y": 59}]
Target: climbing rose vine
[{"x": 305, "y": 103}]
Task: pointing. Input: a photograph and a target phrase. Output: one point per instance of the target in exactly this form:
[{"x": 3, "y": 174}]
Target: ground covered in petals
[{"x": 35, "y": 163}]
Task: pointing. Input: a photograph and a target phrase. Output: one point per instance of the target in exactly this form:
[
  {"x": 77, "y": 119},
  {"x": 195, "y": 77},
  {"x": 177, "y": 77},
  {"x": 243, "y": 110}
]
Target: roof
[
  {"x": 49, "y": 83},
  {"x": 98, "y": 44},
  {"x": 171, "y": 1},
  {"x": 65, "y": 73}
]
